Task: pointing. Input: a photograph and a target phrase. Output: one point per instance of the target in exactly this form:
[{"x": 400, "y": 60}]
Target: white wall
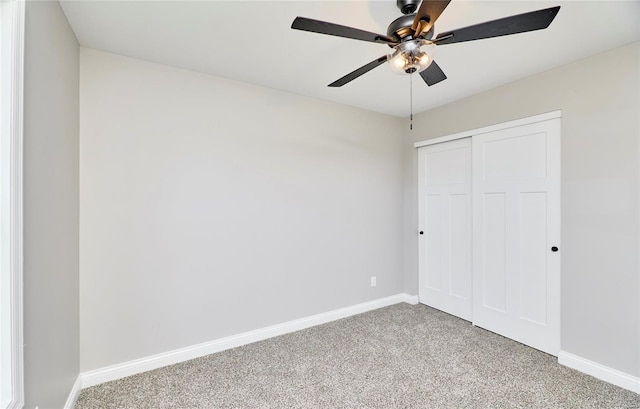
[
  {"x": 600, "y": 102},
  {"x": 210, "y": 207},
  {"x": 51, "y": 90}
]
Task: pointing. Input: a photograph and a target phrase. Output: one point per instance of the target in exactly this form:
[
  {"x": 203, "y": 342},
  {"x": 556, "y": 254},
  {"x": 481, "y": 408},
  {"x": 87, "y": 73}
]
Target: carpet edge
[{"x": 124, "y": 369}]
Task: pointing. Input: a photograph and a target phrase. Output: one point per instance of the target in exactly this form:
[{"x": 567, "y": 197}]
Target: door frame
[
  {"x": 492, "y": 128},
  {"x": 12, "y": 13}
]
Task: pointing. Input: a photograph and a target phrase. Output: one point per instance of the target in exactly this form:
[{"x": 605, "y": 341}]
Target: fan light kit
[
  {"x": 411, "y": 56},
  {"x": 411, "y": 36}
]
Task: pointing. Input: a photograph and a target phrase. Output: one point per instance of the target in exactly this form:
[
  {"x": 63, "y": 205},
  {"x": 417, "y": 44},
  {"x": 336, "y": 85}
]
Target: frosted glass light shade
[{"x": 411, "y": 56}]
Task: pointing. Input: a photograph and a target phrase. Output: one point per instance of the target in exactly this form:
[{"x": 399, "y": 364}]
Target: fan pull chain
[{"x": 411, "y": 101}]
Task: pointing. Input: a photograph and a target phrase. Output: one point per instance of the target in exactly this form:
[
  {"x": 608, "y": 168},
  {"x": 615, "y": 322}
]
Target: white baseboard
[
  {"x": 600, "y": 371},
  {"x": 409, "y": 299},
  {"x": 73, "y": 395},
  {"x": 129, "y": 368}
]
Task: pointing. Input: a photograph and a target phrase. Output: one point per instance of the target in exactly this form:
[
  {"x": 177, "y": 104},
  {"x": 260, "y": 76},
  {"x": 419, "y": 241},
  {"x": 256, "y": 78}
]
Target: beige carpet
[{"x": 401, "y": 356}]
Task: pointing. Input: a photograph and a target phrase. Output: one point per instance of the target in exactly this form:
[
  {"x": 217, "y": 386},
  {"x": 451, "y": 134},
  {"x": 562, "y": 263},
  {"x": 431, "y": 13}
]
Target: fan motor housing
[{"x": 401, "y": 27}]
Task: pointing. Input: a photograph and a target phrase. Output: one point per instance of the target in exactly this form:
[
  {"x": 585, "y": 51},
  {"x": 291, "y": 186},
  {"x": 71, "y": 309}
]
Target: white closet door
[
  {"x": 516, "y": 232},
  {"x": 445, "y": 226}
]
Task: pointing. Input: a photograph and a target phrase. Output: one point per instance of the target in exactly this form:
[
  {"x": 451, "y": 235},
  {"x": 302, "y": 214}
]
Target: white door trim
[
  {"x": 16, "y": 8},
  {"x": 491, "y": 128}
]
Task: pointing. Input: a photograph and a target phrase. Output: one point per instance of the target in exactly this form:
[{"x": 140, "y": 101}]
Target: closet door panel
[
  {"x": 516, "y": 223},
  {"x": 493, "y": 251},
  {"x": 445, "y": 221}
]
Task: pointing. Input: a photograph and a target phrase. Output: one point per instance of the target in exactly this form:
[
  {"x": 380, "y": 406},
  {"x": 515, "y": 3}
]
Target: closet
[{"x": 489, "y": 228}]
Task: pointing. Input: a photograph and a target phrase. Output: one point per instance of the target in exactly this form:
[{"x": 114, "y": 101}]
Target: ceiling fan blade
[
  {"x": 520, "y": 23},
  {"x": 322, "y": 27},
  {"x": 433, "y": 74},
  {"x": 427, "y": 14},
  {"x": 355, "y": 74}
]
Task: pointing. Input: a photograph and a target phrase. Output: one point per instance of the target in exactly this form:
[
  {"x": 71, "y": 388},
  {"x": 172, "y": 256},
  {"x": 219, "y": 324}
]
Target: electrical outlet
[{"x": 373, "y": 281}]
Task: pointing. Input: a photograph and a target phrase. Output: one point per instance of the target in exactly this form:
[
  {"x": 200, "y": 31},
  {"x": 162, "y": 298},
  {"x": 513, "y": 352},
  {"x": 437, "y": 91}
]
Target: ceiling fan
[{"x": 411, "y": 36}]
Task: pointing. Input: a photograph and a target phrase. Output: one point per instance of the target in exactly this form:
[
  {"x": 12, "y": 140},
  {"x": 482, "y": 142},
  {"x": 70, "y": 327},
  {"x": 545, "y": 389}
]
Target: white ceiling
[{"x": 252, "y": 41}]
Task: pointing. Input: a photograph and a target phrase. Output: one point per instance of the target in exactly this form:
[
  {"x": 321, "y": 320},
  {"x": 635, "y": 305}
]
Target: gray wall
[
  {"x": 600, "y": 101},
  {"x": 50, "y": 206},
  {"x": 231, "y": 207},
  {"x": 210, "y": 207}
]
